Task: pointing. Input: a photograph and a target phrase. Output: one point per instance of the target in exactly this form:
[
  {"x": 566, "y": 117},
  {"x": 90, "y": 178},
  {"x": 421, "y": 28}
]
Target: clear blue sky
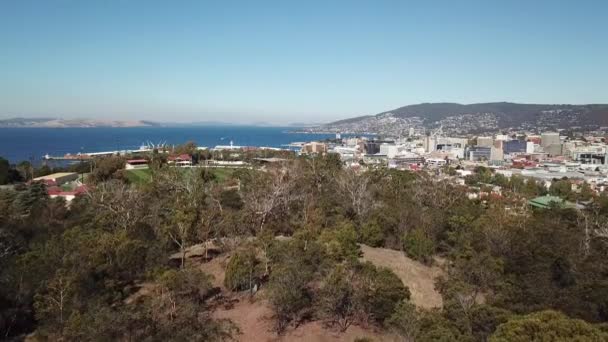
[{"x": 294, "y": 61}]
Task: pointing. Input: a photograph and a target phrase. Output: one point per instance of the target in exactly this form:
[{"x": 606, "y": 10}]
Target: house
[
  {"x": 55, "y": 191},
  {"x": 182, "y": 160},
  {"x": 133, "y": 164},
  {"x": 57, "y": 179}
]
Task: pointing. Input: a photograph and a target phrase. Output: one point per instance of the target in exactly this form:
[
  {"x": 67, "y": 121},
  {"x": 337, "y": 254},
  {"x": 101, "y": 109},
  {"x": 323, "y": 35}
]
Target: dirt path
[{"x": 418, "y": 277}]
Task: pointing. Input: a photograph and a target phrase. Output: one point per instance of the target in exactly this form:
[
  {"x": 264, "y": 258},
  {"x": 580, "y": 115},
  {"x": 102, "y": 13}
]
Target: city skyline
[{"x": 280, "y": 63}]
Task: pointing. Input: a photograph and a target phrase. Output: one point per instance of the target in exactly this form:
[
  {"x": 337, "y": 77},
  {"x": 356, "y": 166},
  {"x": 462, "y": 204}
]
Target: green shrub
[
  {"x": 378, "y": 291},
  {"x": 372, "y": 234},
  {"x": 547, "y": 326},
  {"x": 418, "y": 246},
  {"x": 341, "y": 243},
  {"x": 243, "y": 271}
]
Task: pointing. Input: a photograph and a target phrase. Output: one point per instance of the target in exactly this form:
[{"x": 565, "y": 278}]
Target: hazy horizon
[{"x": 280, "y": 63}]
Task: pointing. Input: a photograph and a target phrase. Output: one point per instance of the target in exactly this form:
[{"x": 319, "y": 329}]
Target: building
[
  {"x": 133, "y": 164},
  {"x": 594, "y": 155},
  {"x": 346, "y": 153},
  {"x": 485, "y": 141},
  {"x": 390, "y": 150},
  {"x": 405, "y": 162},
  {"x": 314, "y": 148},
  {"x": 232, "y": 146},
  {"x": 181, "y": 160},
  {"x": 372, "y": 147},
  {"x": 479, "y": 153},
  {"x": 530, "y": 147},
  {"x": 549, "y": 138},
  {"x": 535, "y": 139},
  {"x": 57, "y": 178},
  {"x": 55, "y": 191},
  {"x": 546, "y": 202},
  {"x": 515, "y": 146},
  {"x": 554, "y": 149},
  {"x": 436, "y": 162},
  {"x": 496, "y": 154}
]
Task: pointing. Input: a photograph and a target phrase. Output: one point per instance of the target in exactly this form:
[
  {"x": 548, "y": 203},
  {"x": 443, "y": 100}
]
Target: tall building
[
  {"x": 549, "y": 138},
  {"x": 479, "y": 153},
  {"x": 372, "y": 147},
  {"x": 485, "y": 141},
  {"x": 514, "y": 146},
  {"x": 314, "y": 147}
]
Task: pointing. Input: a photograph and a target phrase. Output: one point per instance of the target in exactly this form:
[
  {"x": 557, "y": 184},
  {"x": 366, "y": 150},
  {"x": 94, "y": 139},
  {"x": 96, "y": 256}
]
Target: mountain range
[
  {"x": 65, "y": 123},
  {"x": 468, "y": 118}
]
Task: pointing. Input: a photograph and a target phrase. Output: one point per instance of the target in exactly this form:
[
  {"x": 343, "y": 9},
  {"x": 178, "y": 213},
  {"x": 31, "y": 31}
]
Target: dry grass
[
  {"x": 418, "y": 277},
  {"x": 254, "y": 317}
]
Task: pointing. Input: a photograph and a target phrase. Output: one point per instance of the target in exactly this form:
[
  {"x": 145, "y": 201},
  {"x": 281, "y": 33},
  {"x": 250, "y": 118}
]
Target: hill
[
  {"x": 467, "y": 118},
  {"x": 65, "y": 123}
]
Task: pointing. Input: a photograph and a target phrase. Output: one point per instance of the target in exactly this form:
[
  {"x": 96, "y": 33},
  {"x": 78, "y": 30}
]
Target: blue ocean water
[{"x": 17, "y": 144}]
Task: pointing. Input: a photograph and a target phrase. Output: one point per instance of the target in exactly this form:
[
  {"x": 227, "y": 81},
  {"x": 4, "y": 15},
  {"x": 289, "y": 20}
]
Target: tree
[
  {"x": 337, "y": 300},
  {"x": 108, "y": 168},
  {"x": 341, "y": 242},
  {"x": 547, "y": 326},
  {"x": 586, "y": 192},
  {"x": 405, "y": 321},
  {"x": 267, "y": 193},
  {"x": 485, "y": 319},
  {"x": 288, "y": 293},
  {"x": 188, "y": 148},
  {"x": 26, "y": 170},
  {"x": 436, "y": 328},
  {"x": 118, "y": 205},
  {"x": 54, "y": 303},
  {"x": 354, "y": 187},
  {"x": 178, "y": 310},
  {"x": 185, "y": 193},
  {"x": 4, "y": 171},
  {"x": 561, "y": 188},
  {"x": 378, "y": 291},
  {"x": 31, "y": 202}
]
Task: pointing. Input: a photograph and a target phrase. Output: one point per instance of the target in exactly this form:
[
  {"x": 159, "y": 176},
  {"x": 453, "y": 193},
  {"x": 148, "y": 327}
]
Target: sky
[{"x": 293, "y": 61}]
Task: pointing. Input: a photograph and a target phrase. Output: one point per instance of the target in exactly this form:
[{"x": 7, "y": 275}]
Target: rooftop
[
  {"x": 55, "y": 175},
  {"x": 546, "y": 201}
]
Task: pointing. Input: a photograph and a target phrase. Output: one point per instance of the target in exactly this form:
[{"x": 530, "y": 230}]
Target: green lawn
[
  {"x": 139, "y": 176},
  {"x": 221, "y": 174},
  {"x": 142, "y": 176}
]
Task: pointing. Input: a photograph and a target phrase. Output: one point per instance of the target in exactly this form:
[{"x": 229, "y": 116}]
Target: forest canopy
[{"x": 75, "y": 271}]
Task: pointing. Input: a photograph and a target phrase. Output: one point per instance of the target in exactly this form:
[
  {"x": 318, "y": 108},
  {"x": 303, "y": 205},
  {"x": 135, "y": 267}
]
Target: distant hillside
[
  {"x": 476, "y": 117},
  {"x": 64, "y": 123},
  {"x": 508, "y": 113}
]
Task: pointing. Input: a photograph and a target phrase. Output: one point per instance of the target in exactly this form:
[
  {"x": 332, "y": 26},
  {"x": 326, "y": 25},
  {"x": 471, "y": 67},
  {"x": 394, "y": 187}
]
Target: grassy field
[
  {"x": 140, "y": 176},
  {"x": 221, "y": 174},
  {"x": 143, "y": 176}
]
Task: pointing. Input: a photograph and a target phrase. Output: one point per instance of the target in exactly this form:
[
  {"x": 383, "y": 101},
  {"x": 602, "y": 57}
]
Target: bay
[{"x": 17, "y": 144}]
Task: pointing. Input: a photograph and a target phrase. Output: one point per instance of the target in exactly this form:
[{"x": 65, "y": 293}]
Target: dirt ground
[
  {"x": 254, "y": 317},
  {"x": 418, "y": 277},
  {"x": 255, "y": 321},
  {"x": 216, "y": 267}
]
